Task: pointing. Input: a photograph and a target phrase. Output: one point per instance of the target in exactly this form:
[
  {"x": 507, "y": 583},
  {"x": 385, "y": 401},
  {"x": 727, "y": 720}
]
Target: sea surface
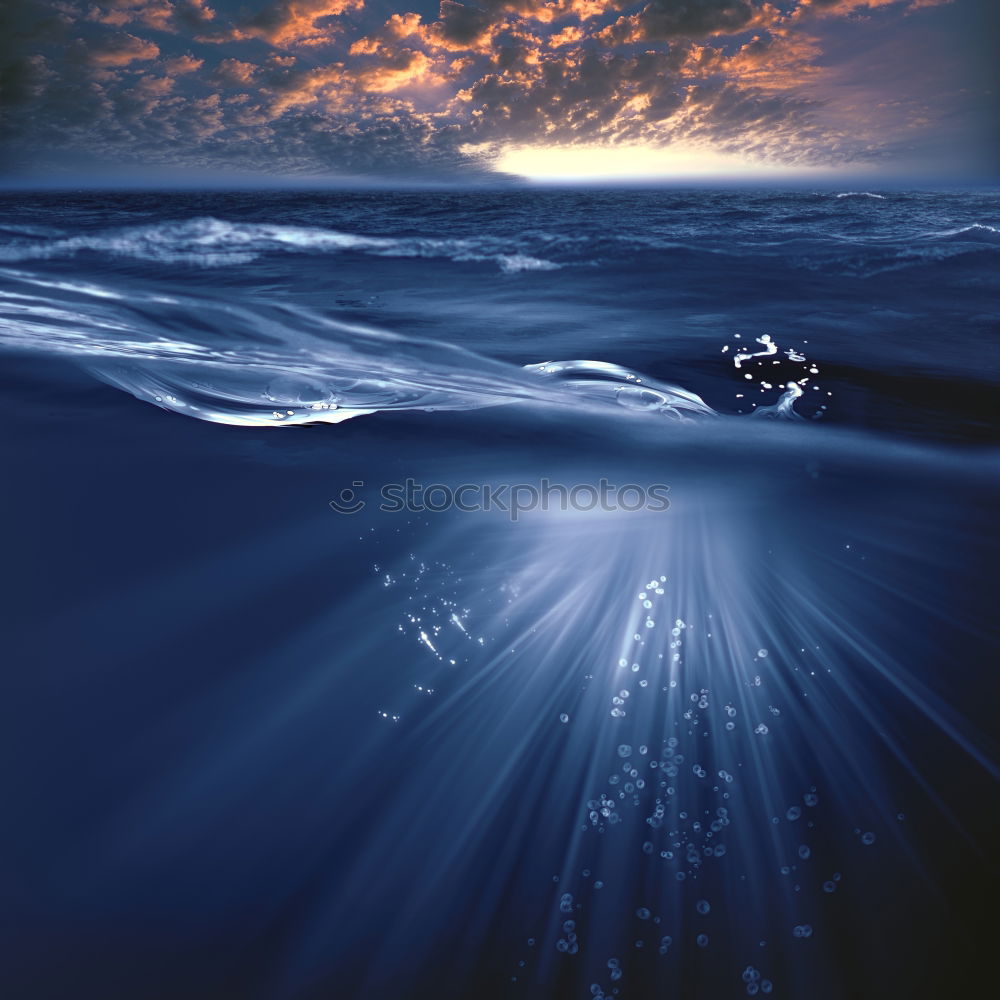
[{"x": 694, "y": 694}]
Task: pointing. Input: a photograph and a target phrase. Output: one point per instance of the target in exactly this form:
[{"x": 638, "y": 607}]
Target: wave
[
  {"x": 861, "y": 194},
  {"x": 979, "y": 230},
  {"x": 210, "y": 242},
  {"x": 277, "y": 364}
]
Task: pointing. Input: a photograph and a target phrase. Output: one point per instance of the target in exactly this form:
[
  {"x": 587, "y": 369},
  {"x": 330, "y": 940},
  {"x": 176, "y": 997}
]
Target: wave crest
[{"x": 211, "y": 242}]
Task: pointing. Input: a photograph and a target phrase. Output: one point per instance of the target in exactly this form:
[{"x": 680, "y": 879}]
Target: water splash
[
  {"x": 770, "y": 347},
  {"x": 793, "y": 389}
]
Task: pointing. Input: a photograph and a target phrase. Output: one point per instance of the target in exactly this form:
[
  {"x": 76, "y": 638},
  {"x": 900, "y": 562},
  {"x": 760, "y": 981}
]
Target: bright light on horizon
[{"x": 639, "y": 162}]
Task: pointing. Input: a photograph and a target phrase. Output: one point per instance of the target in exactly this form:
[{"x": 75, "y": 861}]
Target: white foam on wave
[
  {"x": 975, "y": 227},
  {"x": 861, "y": 194},
  {"x": 513, "y": 263},
  {"x": 210, "y": 242}
]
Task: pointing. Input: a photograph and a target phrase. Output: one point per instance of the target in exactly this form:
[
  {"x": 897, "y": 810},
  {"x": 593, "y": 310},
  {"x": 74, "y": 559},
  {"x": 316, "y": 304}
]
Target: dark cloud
[
  {"x": 463, "y": 25},
  {"x": 24, "y": 26},
  {"x": 666, "y": 19}
]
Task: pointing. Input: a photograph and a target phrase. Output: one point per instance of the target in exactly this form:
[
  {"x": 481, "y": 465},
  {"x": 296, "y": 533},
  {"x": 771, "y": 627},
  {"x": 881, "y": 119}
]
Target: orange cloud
[
  {"x": 840, "y": 8},
  {"x": 398, "y": 27},
  {"x": 150, "y": 13},
  {"x": 568, "y": 36},
  {"x": 183, "y": 64},
  {"x": 459, "y": 28},
  {"x": 121, "y": 50},
  {"x": 235, "y": 71},
  {"x": 301, "y": 89},
  {"x": 160, "y": 15},
  {"x": 154, "y": 86},
  {"x": 406, "y": 68},
  {"x": 781, "y": 60},
  {"x": 293, "y": 22}
]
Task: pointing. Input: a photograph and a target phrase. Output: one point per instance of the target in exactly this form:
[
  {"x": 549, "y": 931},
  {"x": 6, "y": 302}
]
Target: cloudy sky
[{"x": 393, "y": 89}]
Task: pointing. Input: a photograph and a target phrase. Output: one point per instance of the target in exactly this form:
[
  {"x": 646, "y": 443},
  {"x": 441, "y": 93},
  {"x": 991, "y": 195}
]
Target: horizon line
[{"x": 504, "y": 184}]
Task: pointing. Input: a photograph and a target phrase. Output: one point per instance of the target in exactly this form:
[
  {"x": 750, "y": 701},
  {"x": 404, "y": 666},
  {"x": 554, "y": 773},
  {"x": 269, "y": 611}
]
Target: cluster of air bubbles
[
  {"x": 669, "y": 793},
  {"x": 603, "y": 810},
  {"x": 647, "y": 598},
  {"x": 618, "y": 701},
  {"x": 683, "y": 792},
  {"x": 568, "y": 942},
  {"x": 755, "y": 984},
  {"x": 433, "y": 617}
]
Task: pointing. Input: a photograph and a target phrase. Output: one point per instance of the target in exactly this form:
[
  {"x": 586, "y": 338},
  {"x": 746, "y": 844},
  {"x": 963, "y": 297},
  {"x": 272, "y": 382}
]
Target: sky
[{"x": 303, "y": 91}]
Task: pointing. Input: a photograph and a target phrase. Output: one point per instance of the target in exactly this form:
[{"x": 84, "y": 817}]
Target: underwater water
[{"x": 715, "y": 719}]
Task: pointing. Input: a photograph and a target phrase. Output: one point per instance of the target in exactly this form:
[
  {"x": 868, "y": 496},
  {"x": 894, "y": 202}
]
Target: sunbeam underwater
[{"x": 737, "y": 744}]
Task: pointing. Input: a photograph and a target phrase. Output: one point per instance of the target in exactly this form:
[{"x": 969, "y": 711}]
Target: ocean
[{"x": 526, "y": 593}]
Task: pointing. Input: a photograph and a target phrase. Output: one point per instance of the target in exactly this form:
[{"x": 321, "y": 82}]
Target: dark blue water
[{"x": 740, "y": 744}]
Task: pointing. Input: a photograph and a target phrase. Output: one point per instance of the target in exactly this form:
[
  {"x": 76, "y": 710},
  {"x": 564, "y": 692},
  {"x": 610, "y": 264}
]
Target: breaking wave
[{"x": 211, "y": 242}]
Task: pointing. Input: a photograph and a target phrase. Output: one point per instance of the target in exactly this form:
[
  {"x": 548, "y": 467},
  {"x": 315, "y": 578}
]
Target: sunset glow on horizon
[{"x": 641, "y": 163}]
